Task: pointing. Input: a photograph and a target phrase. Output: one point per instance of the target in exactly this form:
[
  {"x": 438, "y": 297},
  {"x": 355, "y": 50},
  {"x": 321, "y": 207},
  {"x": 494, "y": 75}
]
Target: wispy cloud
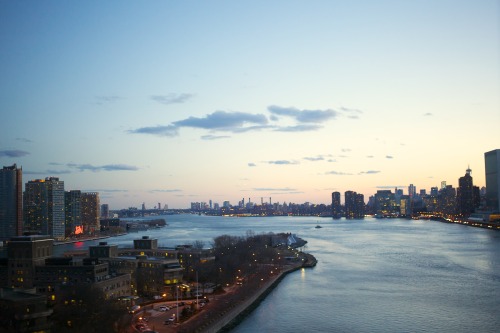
[
  {"x": 172, "y": 98},
  {"x": 338, "y": 173},
  {"x": 315, "y": 159},
  {"x": 103, "y": 99},
  {"x": 108, "y": 167},
  {"x": 47, "y": 173},
  {"x": 303, "y": 116},
  {"x": 214, "y": 137},
  {"x": 427, "y": 114},
  {"x": 251, "y": 164},
  {"x": 24, "y": 140},
  {"x": 13, "y": 153},
  {"x": 351, "y": 113},
  {"x": 222, "y": 120},
  {"x": 166, "y": 191},
  {"x": 298, "y": 128},
  {"x": 168, "y": 131},
  {"x": 273, "y": 189},
  {"x": 389, "y": 157},
  {"x": 106, "y": 190},
  {"x": 282, "y": 162},
  {"x": 369, "y": 172}
]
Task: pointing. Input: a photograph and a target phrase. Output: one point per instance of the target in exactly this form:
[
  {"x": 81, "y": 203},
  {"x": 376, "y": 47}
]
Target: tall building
[
  {"x": 465, "y": 195},
  {"x": 492, "y": 169},
  {"x": 91, "y": 212},
  {"x": 73, "y": 212},
  {"x": 354, "y": 205},
  {"x": 11, "y": 202},
  {"x": 336, "y": 208},
  {"x": 105, "y": 211},
  {"x": 44, "y": 207}
]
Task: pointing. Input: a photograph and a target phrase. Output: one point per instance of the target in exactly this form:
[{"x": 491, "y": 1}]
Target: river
[{"x": 387, "y": 275}]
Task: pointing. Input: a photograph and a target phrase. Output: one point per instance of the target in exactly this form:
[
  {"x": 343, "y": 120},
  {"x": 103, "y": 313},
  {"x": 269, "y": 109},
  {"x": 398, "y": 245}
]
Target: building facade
[
  {"x": 465, "y": 195},
  {"x": 336, "y": 207},
  {"x": 44, "y": 211},
  {"x": 492, "y": 169},
  {"x": 91, "y": 212},
  {"x": 11, "y": 202},
  {"x": 73, "y": 212}
]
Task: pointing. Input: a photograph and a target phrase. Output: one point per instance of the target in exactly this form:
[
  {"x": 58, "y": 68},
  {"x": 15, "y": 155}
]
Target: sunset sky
[{"x": 191, "y": 101}]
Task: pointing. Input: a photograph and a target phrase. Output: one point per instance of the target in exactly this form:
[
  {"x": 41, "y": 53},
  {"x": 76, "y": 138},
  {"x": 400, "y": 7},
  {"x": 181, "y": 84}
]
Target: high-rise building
[
  {"x": 492, "y": 169},
  {"x": 465, "y": 195},
  {"x": 91, "y": 212},
  {"x": 336, "y": 208},
  {"x": 354, "y": 205},
  {"x": 105, "y": 210},
  {"x": 11, "y": 202},
  {"x": 44, "y": 207},
  {"x": 73, "y": 212}
]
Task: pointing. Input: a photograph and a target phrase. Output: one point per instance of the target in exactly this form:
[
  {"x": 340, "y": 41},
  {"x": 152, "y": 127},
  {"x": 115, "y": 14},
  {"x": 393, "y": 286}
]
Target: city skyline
[{"x": 173, "y": 103}]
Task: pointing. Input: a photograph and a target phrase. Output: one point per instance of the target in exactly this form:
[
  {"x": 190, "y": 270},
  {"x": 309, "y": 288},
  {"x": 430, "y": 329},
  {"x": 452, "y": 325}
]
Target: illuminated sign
[{"x": 79, "y": 229}]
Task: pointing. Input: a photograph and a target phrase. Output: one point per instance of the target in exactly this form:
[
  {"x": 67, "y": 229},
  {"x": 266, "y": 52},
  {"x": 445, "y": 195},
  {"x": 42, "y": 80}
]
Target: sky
[{"x": 175, "y": 102}]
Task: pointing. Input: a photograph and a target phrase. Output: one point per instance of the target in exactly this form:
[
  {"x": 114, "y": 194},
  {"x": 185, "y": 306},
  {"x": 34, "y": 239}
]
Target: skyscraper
[
  {"x": 11, "y": 202},
  {"x": 465, "y": 195},
  {"x": 73, "y": 212},
  {"x": 44, "y": 207},
  {"x": 91, "y": 212},
  {"x": 336, "y": 209},
  {"x": 492, "y": 169},
  {"x": 354, "y": 205}
]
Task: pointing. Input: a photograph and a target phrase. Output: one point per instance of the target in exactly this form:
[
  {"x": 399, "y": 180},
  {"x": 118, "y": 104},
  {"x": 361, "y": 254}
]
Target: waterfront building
[
  {"x": 447, "y": 201},
  {"x": 336, "y": 208},
  {"x": 73, "y": 212},
  {"x": 11, "y": 202},
  {"x": 385, "y": 203},
  {"x": 354, "y": 205},
  {"x": 91, "y": 212},
  {"x": 465, "y": 195},
  {"x": 44, "y": 211},
  {"x": 492, "y": 170}
]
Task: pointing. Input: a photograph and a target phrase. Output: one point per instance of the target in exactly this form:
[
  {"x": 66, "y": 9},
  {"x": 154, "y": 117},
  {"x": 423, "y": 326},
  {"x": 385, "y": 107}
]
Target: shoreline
[{"x": 234, "y": 316}]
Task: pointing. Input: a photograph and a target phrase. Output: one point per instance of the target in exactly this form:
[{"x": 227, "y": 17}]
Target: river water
[{"x": 389, "y": 275}]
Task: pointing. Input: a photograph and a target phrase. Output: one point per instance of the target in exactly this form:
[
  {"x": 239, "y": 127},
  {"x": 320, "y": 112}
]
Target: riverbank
[{"x": 233, "y": 307}]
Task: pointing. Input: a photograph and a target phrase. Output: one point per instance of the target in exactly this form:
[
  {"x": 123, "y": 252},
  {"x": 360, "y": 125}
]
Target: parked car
[{"x": 163, "y": 308}]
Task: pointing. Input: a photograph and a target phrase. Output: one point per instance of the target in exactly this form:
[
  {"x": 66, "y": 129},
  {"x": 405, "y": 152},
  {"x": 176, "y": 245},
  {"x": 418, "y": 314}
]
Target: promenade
[{"x": 225, "y": 311}]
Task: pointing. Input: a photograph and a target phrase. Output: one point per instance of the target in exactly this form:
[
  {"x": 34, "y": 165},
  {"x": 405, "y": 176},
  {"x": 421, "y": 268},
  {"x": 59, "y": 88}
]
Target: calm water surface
[{"x": 373, "y": 275}]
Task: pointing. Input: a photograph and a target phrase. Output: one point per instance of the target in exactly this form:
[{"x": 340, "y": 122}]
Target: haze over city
[{"x": 174, "y": 102}]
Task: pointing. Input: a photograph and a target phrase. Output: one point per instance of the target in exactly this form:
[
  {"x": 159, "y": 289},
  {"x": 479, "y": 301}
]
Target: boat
[{"x": 318, "y": 226}]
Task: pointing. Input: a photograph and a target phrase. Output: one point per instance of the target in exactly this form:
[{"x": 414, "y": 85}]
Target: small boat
[{"x": 318, "y": 226}]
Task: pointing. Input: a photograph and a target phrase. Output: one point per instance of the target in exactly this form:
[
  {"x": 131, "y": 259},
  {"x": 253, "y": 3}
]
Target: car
[{"x": 163, "y": 308}]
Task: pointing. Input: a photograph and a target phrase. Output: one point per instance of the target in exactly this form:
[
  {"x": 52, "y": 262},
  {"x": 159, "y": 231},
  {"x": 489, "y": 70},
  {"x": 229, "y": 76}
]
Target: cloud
[
  {"x": 214, "y": 137},
  {"x": 314, "y": 159},
  {"x": 282, "y": 162},
  {"x": 369, "y": 172},
  {"x": 389, "y": 157},
  {"x": 251, "y": 164},
  {"x": 303, "y": 116},
  {"x": 108, "y": 167},
  {"x": 166, "y": 191},
  {"x": 298, "y": 128},
  {"x": 24, "y": 140},
  {"x": 427, "y": 114},
  {"x": 100, "y": 100},
  {"x": 345, "y": 150},
  {"x": 106, "y": 190},
  {"x": 351, "y": 113},
  {"x": 337, "y": 173},
  {"x": 369, "y": 156},
  {"x": 13, "y": 153},
  {"x": 168, "y": 131},
  {"x": 272, "y": 189},
  {"x": 222, "y": 120},
  {"x": 172, "y": 98}
]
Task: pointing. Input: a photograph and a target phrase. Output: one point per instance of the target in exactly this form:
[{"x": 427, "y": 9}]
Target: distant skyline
[{"x": 175, "y": 102}]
